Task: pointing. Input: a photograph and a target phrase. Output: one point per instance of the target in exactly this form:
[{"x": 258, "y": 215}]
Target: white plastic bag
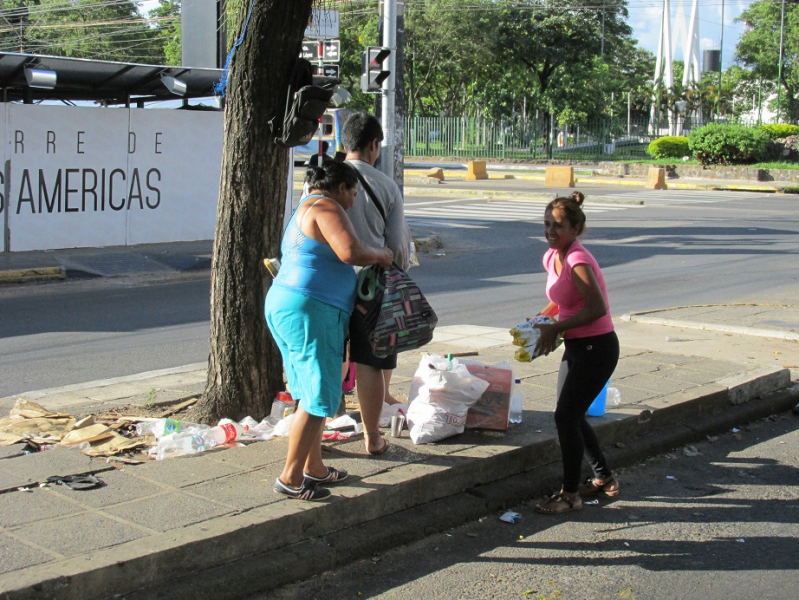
[
  {"x": 391, "y": 410},
  {"x": 441, "y": 393}
]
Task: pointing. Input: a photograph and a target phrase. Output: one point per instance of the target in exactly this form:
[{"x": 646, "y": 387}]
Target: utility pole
[
  {"x": 602, "y": 44},
  {"x": 779, "y": 69},
  {"x": 721, "y": 60},
  {"x": 387, "y": 116}
]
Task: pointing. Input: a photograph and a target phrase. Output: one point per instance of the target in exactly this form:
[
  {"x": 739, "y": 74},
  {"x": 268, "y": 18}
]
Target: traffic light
[{"x": 374, "y": 69}]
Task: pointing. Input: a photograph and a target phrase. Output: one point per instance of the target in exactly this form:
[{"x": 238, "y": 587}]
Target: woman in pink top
[{"x": 576, "y": 290}]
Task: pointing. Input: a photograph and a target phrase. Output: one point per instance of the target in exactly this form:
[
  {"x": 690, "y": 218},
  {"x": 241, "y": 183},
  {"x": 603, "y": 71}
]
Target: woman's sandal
[
  {"x": 596, "y": 487},
  {"x": 307, "y": 491},
  {"x": 333, "y": 476},
  {"x": 382, "y": 449},
  {"x": 558, "y": 503}
]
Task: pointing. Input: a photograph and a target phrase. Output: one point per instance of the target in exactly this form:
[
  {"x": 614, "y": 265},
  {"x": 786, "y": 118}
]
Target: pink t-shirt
[{"x": 562, "y": 291}]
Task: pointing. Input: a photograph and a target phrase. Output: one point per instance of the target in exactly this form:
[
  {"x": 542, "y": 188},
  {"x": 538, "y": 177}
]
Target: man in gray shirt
[{"x": 377, "y": 226}]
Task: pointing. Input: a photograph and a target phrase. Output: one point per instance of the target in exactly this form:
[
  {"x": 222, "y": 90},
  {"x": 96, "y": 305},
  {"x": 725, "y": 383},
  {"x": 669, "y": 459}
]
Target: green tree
[
  {"x": 357, "y": 30},
  {"x": 554, "y": 44},
  {"x": 629, "y": 71},
  {"x": 244, "y": 366},
  {"x": 111, "y": 30},
  {"x": 759, "y": 49},
  {"x": 446, "y": 51},
  {"x": 166, "y": 21}
]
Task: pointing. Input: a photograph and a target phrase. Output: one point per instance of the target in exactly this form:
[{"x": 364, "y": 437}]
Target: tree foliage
[
  {"x": 166, "y": 20},
  {"x": 111, "y": 30},
  {"x": 759, "y": 49},
  {"x": 559, "y": 49}
]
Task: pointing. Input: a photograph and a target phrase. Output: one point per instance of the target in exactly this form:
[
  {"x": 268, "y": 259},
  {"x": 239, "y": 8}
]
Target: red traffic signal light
[{"x": 374, "y": 68}]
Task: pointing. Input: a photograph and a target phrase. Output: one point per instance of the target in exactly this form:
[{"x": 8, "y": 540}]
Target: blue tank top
[{"x": 312, "y": 269}]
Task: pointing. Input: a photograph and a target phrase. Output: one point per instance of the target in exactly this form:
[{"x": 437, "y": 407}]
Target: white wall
[{"x": 88, "y": 177}]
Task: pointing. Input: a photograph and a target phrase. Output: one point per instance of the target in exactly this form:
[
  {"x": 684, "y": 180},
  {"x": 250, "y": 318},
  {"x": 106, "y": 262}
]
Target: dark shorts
[{"x": 361, "y": 349}]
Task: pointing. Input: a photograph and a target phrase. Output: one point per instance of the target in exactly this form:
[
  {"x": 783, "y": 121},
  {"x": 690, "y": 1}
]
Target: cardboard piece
[
  {"x": 28, "y": 419},
  {"x": 91, "y": 433},
  {"x": 492, "y": 410},
  {"x": 113, "y": 444}
]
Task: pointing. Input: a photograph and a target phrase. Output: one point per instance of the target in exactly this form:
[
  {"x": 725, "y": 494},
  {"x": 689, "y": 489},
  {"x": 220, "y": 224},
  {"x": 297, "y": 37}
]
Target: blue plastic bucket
[{"x": 597, "y": 408}]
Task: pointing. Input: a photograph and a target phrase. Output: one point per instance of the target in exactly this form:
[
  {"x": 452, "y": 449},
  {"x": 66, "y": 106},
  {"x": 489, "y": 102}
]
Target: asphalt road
[
  {"x": 699, "y": 247},
  {"x": 712, "y": 521},
  {"x": 675, "y": 249}
]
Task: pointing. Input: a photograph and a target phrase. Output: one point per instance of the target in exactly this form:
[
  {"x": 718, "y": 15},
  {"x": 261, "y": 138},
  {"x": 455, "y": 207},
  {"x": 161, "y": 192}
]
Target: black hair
[
  {"x": 330, "y": 176},
  {"x": 360, "y": 130},
  {"x": 572, "y": 208}
]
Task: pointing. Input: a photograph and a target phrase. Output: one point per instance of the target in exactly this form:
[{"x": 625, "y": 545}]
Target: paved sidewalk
[{"x": 187, "y": 525}]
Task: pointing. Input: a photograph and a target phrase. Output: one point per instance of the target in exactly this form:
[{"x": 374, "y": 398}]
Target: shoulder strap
[
  {"x": 307, "y": 210},
  {"x": 367, "y": 188}
]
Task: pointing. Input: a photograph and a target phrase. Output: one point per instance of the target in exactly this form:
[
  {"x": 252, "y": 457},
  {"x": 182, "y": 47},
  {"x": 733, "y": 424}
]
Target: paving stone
[
  {"x": 79, "y": 534},
  {"x": 19, "y": 508},
  {"x": 168, "y": 511},
  {"x": 18, "y": 555},
  {"x": 119, "y": 487},
  {"x": 193, "y": 469}
]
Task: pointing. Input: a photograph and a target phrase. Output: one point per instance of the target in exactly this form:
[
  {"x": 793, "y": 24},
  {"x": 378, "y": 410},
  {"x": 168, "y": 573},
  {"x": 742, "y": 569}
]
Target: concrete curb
[
  {"x": 420, "y": 178},
  {"x": 238, "y": 551},
  {"x": 33, "y": 274},
  {"x": 735, "y": 329}
]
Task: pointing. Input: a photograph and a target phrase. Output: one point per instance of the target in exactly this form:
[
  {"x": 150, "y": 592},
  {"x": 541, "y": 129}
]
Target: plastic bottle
[
  {"x": 614, "y": 396},
  {"x": 516, "y": 403},
  {"x": 282, "y": 407},
  {"x": 181, "y": 445},
  {"x": 224, "y": 433},
  {"x": 163, "y": 427}
]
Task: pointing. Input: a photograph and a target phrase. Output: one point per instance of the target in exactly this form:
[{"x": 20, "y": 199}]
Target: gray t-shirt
[{"x": 366, "y": 218}]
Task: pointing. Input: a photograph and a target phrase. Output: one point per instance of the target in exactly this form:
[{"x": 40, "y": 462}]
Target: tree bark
[{"x": 244, "y": 366}]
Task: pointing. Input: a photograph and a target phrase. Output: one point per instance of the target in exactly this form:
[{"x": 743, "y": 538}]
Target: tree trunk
[{"x": 244, "y": 366}]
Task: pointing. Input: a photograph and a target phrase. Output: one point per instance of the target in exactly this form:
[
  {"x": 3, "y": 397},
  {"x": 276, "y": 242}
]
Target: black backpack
[{"x": 307, "y": 99}]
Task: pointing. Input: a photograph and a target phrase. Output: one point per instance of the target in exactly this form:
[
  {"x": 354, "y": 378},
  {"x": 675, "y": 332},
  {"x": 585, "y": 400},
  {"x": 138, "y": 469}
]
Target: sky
[
  {"x": 645, "y": 16},
  {"x": 645, "y": 20}
]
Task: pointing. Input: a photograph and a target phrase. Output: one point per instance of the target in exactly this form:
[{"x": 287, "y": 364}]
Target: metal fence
[{"x": 469, "y": 138}]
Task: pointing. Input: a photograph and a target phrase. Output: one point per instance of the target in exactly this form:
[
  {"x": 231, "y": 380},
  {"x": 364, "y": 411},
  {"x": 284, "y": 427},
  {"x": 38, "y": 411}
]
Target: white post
[
  {"x": 387, "y": 116},
  {"x": 629, "y": 114}
]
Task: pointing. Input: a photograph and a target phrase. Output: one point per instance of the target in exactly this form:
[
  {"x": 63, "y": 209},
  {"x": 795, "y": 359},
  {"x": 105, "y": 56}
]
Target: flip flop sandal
[
  {"x": 333, "y": 476},
  {"x": 382, "y": 449},
  {"x": 307, "y": 491},
  {"x": 76, "y": 482},
  {"x": 609, "y": 487},
  {"x": 557, "y": 503}
]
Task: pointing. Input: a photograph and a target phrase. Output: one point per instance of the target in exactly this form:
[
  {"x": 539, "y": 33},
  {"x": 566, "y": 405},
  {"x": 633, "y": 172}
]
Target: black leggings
[{"x": 590, "y": 362}]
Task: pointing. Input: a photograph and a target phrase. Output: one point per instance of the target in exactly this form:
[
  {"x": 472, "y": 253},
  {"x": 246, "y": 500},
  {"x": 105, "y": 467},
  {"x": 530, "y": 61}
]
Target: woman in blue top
[{"x": 308, "y": 309}]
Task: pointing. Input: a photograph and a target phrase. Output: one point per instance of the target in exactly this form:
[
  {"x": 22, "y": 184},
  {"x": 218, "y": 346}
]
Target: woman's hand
[
  {"x": 548, "y": 338},
  {"x": 385, "y": 257}
]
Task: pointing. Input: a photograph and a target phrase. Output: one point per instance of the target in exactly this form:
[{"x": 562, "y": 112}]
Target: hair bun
[{"x": 578, "y": 197}]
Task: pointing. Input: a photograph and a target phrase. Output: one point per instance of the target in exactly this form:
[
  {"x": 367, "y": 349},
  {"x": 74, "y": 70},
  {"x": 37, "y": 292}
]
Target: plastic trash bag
[
  {"x": 391, "y": 410},
  {"x": 526, "y": 335},
  {"x": 442, "y": 392}
]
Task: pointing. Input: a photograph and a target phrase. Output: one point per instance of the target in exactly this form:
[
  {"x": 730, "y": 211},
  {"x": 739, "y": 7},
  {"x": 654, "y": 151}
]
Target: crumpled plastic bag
[
  {"x": 526, "y": 335},
  {"x": 391, "y": 410},
  {"x": 442, "y": 392}
]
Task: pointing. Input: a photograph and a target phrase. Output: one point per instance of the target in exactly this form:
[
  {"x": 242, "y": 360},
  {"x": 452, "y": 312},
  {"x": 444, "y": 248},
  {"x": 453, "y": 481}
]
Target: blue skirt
[{"x": 310, "y": 335}]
